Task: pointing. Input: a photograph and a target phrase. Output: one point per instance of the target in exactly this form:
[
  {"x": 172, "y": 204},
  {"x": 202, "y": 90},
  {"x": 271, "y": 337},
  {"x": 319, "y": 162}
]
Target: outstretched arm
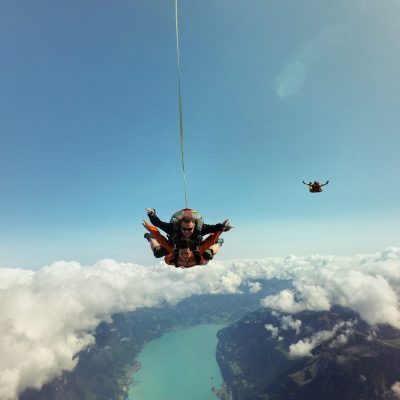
[
  {"x": 225, "y": 226},
  {"x": 325, "y": 183},
  {"x": 165, "y": 226},
  {"x": 206, "y": 229}
]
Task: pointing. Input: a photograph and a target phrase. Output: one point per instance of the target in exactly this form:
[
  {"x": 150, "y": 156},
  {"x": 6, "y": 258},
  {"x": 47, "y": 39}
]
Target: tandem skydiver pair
[{"x": 184, "y": 246}]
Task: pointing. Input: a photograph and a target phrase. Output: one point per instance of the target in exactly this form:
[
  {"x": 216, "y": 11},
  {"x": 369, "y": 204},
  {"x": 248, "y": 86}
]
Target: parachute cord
[{"x": 180, "y": 104}]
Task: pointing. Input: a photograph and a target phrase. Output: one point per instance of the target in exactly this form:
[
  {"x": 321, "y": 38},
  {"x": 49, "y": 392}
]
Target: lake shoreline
[{"x": 190, "y": 367}]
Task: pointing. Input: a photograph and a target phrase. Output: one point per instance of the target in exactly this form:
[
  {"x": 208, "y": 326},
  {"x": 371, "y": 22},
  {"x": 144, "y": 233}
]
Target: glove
[
  {"x": 226, "y": 226},
  {"x": 150, "y": 211}
]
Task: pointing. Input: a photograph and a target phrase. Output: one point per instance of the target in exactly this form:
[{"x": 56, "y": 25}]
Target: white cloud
[
  {"x": 396, "y": 389},
  {"x": 339, "y": 341},
  {"x": 362, "y": 378},
  {"x": 288, "y": 322},
  {"x": 304, "y": 346},
  {"x": 368, "y": 284},
  {"x": 273, "y": 329},
  {"x": 254, "y": 287},
  {"x": 46, "y": 315},
  {"x": 284, "y": 301}
]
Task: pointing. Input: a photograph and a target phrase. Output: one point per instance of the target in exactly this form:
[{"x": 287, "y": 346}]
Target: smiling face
[
  {"x": 187, "y": 229},
  {"x": 185, "y": 254}
]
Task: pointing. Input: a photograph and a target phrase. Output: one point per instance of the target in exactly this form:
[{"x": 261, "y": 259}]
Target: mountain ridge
[{"x": 328, "y": 354}]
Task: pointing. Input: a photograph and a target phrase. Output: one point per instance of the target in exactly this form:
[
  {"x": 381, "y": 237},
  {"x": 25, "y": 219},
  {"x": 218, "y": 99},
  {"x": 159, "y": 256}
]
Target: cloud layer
[
  {"x": 47, "y": 316},
  {"x": 368, "y": 284}
]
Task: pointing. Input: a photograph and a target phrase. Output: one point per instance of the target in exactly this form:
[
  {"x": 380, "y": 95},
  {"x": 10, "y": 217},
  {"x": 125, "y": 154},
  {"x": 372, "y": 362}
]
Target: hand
[
  {"x": 226, "y": 226},
  {"x": 145, "y": 224},
  {"x": 150, "y": 211}
]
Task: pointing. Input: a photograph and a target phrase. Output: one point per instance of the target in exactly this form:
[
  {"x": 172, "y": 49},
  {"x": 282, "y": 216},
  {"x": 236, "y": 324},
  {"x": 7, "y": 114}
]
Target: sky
[{"x": 274, "y": 93}]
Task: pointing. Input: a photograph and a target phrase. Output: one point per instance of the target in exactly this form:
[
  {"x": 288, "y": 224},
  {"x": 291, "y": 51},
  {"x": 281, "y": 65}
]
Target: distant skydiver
[
  {"x": 186, "y": 223},
  {"x": 185, "y": 253},
  {"x": 315, "y": 187}
]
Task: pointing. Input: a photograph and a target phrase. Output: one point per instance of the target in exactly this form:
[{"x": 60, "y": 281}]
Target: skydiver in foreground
[
  {"x": 315, "y": 187},
  {"x": 185, "y": 253},
  {"x": 186, "y": 223}
]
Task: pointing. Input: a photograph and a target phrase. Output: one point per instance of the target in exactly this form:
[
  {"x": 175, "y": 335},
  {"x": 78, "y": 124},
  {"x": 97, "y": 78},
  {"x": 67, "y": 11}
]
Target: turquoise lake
[{"x": 180, "y": 365}]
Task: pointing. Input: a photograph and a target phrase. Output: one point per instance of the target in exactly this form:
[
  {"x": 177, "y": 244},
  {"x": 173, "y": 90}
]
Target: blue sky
[{"x": 274, "y": 92}]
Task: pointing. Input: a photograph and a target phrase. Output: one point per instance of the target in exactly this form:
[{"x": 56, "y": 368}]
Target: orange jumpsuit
[{"x": 191, "y": 262}]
